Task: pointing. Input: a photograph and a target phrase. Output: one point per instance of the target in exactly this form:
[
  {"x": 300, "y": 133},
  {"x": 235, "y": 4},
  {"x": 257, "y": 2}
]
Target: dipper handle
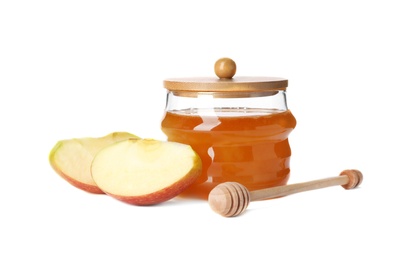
[
  {"x": 231, "y": 199},
  {"x": 348, "y": 179}
]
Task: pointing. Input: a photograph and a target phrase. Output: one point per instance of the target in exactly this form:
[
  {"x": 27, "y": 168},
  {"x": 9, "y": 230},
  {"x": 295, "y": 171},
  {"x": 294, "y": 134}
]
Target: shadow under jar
[{"x": 238, "y": 126}]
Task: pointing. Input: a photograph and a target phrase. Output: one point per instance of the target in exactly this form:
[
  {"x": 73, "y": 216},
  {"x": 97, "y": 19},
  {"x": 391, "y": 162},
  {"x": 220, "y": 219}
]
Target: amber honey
[{"x": 249, "y": 146}]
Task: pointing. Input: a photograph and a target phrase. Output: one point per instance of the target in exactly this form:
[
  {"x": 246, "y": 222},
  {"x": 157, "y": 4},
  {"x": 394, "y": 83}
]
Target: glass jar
[{"x": 238, "y": 126}]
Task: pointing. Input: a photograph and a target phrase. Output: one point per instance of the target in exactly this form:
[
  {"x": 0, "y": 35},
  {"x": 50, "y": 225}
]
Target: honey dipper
[{"x": 230, "y": 199}]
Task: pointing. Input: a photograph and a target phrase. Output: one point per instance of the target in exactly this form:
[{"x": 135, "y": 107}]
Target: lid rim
[{"x": 240, "y": 84}]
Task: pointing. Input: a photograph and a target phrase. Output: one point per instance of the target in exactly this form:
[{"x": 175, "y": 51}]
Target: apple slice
[
  {"x": 145, "y": 171},
  {"x": 71, "y": 158}
]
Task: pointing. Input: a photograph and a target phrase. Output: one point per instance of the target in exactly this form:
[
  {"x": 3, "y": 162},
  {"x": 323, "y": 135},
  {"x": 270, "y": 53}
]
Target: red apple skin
[
  {"x": 77, "y": 184},
  {"x": 80, "y": 185},
  {"x": 166, "y": 193}
]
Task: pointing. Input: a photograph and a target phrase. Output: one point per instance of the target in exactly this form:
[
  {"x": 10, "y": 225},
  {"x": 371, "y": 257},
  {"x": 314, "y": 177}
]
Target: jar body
[{"x": 240, "y": 137}]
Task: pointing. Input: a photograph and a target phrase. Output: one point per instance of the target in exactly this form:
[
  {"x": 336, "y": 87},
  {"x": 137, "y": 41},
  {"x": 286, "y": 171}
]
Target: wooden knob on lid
[
  {"x": 226, "y": 86},
  {"x": 225, "y": 68}
]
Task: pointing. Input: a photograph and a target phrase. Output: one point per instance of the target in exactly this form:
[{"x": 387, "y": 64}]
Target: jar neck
[{"x": 274, "y": 101}]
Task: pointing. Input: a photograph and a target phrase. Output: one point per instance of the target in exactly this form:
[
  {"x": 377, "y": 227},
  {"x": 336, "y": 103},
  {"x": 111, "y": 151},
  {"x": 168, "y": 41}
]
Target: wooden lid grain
[{"x": 225, "y": 69}]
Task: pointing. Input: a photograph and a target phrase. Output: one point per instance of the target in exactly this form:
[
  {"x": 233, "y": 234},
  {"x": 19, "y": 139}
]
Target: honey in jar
[{"x": 239, "y": 127}]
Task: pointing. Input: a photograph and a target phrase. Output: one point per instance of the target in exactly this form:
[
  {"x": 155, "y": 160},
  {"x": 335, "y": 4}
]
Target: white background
[{"x": 87, "y": 68}]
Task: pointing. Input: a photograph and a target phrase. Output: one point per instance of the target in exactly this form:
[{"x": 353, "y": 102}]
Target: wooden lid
[{"x": 225, "y": 69}]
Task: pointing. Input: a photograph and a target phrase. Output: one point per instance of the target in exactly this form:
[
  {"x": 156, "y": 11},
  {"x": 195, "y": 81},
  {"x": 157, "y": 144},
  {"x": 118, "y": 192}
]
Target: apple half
[
  {"x": 145, "y": 171},
  {"x": 72, "y": 158}
]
